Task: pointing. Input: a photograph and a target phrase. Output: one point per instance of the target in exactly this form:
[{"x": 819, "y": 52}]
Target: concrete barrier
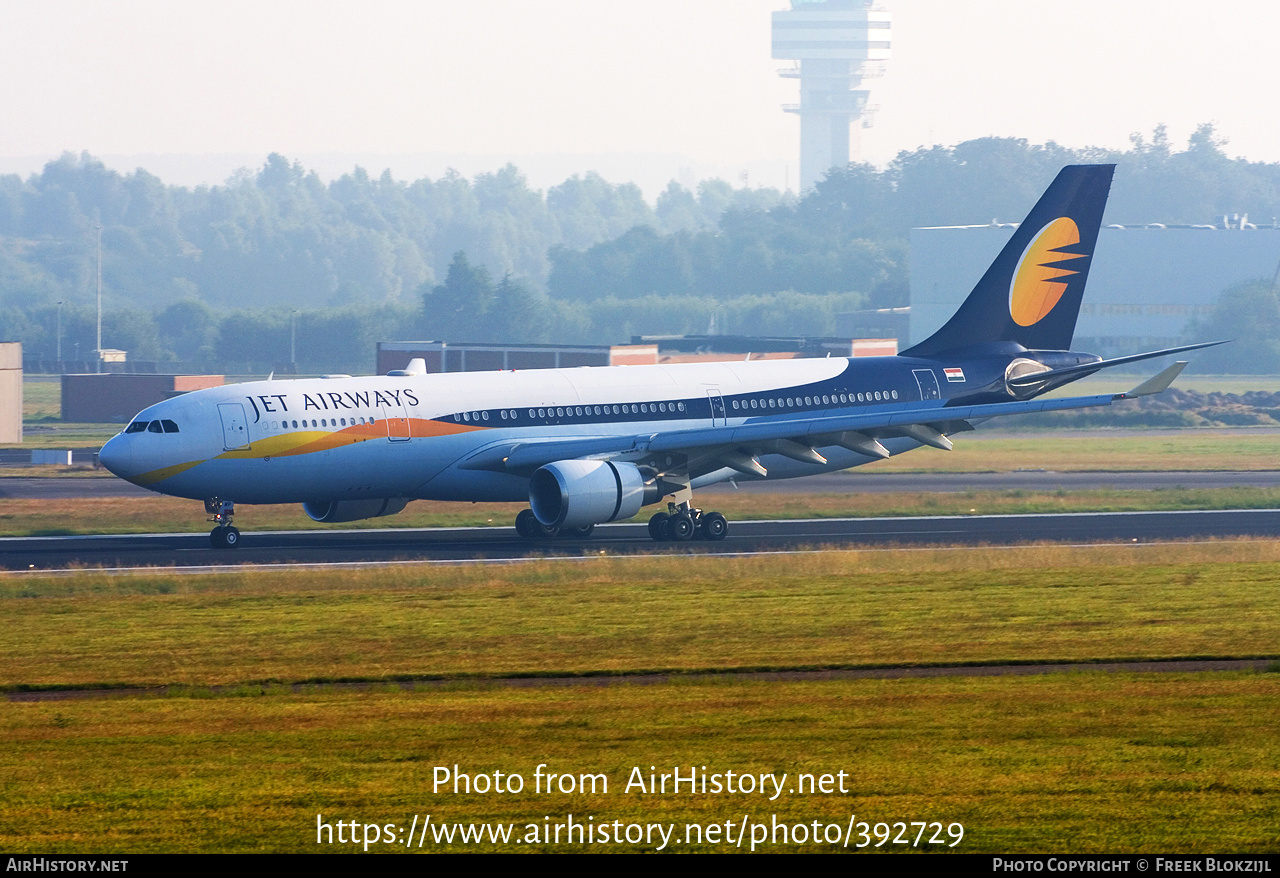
[{"x": 51, "y": 456}]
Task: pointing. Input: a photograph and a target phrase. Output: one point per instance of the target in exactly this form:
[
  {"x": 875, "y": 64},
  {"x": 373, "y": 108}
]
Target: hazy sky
[{"x": 654, "y": 85}]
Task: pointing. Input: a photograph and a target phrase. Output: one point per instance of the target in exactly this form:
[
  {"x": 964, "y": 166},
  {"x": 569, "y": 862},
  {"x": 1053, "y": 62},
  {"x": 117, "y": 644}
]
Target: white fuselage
[{"x": 336, "y": 439}]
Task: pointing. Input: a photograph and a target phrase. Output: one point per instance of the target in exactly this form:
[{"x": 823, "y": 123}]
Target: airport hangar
[{"x": 1146, "y": 283}]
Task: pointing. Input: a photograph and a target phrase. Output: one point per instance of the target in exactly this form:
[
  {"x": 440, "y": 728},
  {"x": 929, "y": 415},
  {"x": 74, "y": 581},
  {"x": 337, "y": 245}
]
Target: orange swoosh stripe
[{"x": 309, "y": 442}]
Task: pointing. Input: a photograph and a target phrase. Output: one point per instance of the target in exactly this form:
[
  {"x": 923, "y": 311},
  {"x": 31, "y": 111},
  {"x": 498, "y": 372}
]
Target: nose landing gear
[{"x": 224, "y": 535}]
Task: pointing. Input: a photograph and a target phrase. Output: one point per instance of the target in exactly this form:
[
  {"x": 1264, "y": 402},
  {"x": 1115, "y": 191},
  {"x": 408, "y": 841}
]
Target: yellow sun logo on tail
[{"x": 1039, "y": 280}]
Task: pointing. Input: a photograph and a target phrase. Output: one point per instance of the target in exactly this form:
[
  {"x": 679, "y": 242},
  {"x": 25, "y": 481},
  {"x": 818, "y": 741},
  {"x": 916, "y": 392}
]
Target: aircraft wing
[{"x": 928, "y": 422}]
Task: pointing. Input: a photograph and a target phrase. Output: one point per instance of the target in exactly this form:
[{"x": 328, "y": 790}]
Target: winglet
[{"x": 1156, "y": 383}]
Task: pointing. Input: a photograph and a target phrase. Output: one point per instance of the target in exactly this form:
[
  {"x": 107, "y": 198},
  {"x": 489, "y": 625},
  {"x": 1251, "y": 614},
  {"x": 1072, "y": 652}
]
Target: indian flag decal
[{"x": 954, "y": 375}]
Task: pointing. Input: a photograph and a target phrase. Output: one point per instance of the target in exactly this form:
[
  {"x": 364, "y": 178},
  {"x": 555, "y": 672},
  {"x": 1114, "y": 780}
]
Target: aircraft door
[
  {"x": 397, "y": 423},
  {"x": 235, "y": 429},
  {"x": 717, "y": 407},
  {"x": 927, "y": 381}
]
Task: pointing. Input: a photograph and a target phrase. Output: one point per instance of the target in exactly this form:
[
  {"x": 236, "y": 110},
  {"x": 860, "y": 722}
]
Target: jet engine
[
  {"x": 353, "y": 510},
  {"x": 576, "y": 493}
]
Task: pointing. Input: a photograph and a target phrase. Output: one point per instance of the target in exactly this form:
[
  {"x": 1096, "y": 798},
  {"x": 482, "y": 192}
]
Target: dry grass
[
  {"x": 41, "y": 399},
  {"x": 1081, "y": 762},
  {"x": 1076, "y": 763},
  {"x": 66, "y": 435},
  {"x": 54, "y": 471},
  {"x": 629, "y": 615}
]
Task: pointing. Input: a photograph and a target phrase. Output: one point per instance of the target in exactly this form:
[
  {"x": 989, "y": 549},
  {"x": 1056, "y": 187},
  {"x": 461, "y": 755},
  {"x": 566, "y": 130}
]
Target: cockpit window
[{"x": 165, "y": 426}]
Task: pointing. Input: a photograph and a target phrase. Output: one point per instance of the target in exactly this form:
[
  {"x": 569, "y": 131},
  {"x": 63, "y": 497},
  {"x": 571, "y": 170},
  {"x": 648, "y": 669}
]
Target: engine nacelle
[
  {"x": 353, "y": 510},
  {"x": 1022, "y": 368},
  {"x": 575, "y": 493}
]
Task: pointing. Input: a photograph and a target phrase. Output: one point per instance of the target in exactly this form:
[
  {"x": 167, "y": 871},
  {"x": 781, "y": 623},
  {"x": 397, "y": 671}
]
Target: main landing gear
[
  {"x": 683, "y": 522},
  {"x": 224, "y": 536}
]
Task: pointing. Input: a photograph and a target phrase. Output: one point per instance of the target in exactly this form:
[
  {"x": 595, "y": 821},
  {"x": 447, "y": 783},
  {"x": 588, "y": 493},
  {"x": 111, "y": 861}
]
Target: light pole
[
  {"x": 60, "y": 336},
  {"x": 98, "y": 352},
  {"x": 293, "y": 341}
]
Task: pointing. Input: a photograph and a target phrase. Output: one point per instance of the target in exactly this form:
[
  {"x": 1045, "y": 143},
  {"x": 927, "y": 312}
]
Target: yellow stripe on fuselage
[
  {"x": 308, "y": 442},
  {"x": 168, "y": 472}
]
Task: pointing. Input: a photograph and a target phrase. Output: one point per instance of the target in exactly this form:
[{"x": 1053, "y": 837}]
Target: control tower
[{"x": 836, "y": 44}]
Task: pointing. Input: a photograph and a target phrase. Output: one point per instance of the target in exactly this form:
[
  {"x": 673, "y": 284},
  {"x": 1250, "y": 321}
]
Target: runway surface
[
  {"x": 848, "y": 482},
  {"x": 460, "y": 544},
  {"x": 364, "y": 547}
]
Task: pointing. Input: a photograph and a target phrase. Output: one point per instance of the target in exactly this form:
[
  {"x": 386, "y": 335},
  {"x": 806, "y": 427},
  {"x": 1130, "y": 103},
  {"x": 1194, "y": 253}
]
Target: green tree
[
  {"x": 589, "y": 209},
  {"x": 1249, "y": 315},
  {"x": 678, "y": 210},
  {"x": 455, "y": 310},
  {"x": 187, "y": 330},
  {"x": 516, "y": 314}
]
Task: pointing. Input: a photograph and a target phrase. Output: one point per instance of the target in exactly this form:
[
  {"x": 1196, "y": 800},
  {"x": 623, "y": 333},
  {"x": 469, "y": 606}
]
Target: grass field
[
  {"x": 1087, "y": 761},
  {"x": 28, "y": 517},
  {"x": 41, "y": 398},
  {"x": 1069, "y": 763},
  {"x": 60, "y": 435},
  {"x": 627, "y": 614}
]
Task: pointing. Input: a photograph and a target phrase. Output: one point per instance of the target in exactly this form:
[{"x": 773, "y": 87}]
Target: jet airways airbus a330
[{"x": 591, "y": 445}]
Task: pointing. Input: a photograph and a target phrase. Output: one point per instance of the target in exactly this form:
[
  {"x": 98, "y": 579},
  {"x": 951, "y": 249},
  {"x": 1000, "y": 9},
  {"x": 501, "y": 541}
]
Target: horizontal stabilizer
[
  {"x": 1156, "y": 383},
  {"x": 1034, "y": 378}
]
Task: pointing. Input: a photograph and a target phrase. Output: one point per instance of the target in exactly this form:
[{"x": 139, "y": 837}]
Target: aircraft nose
[{"x": 117, "y": 456}]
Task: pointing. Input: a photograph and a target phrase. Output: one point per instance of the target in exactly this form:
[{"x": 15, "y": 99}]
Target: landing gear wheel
[
  {"x": 224, "y": 537},
  {"x": 220, "y": 511},
  {"x": 658, "y": 526},
  {"x": 713, "y": 526},
  {"x": 680, "y": 527},
  {"x": 527, "y": 525},
  {"x": 578, "y": 533}
]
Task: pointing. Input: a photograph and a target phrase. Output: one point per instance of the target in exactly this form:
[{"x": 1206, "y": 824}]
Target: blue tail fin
[{"x": 1031, "y": 293}]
